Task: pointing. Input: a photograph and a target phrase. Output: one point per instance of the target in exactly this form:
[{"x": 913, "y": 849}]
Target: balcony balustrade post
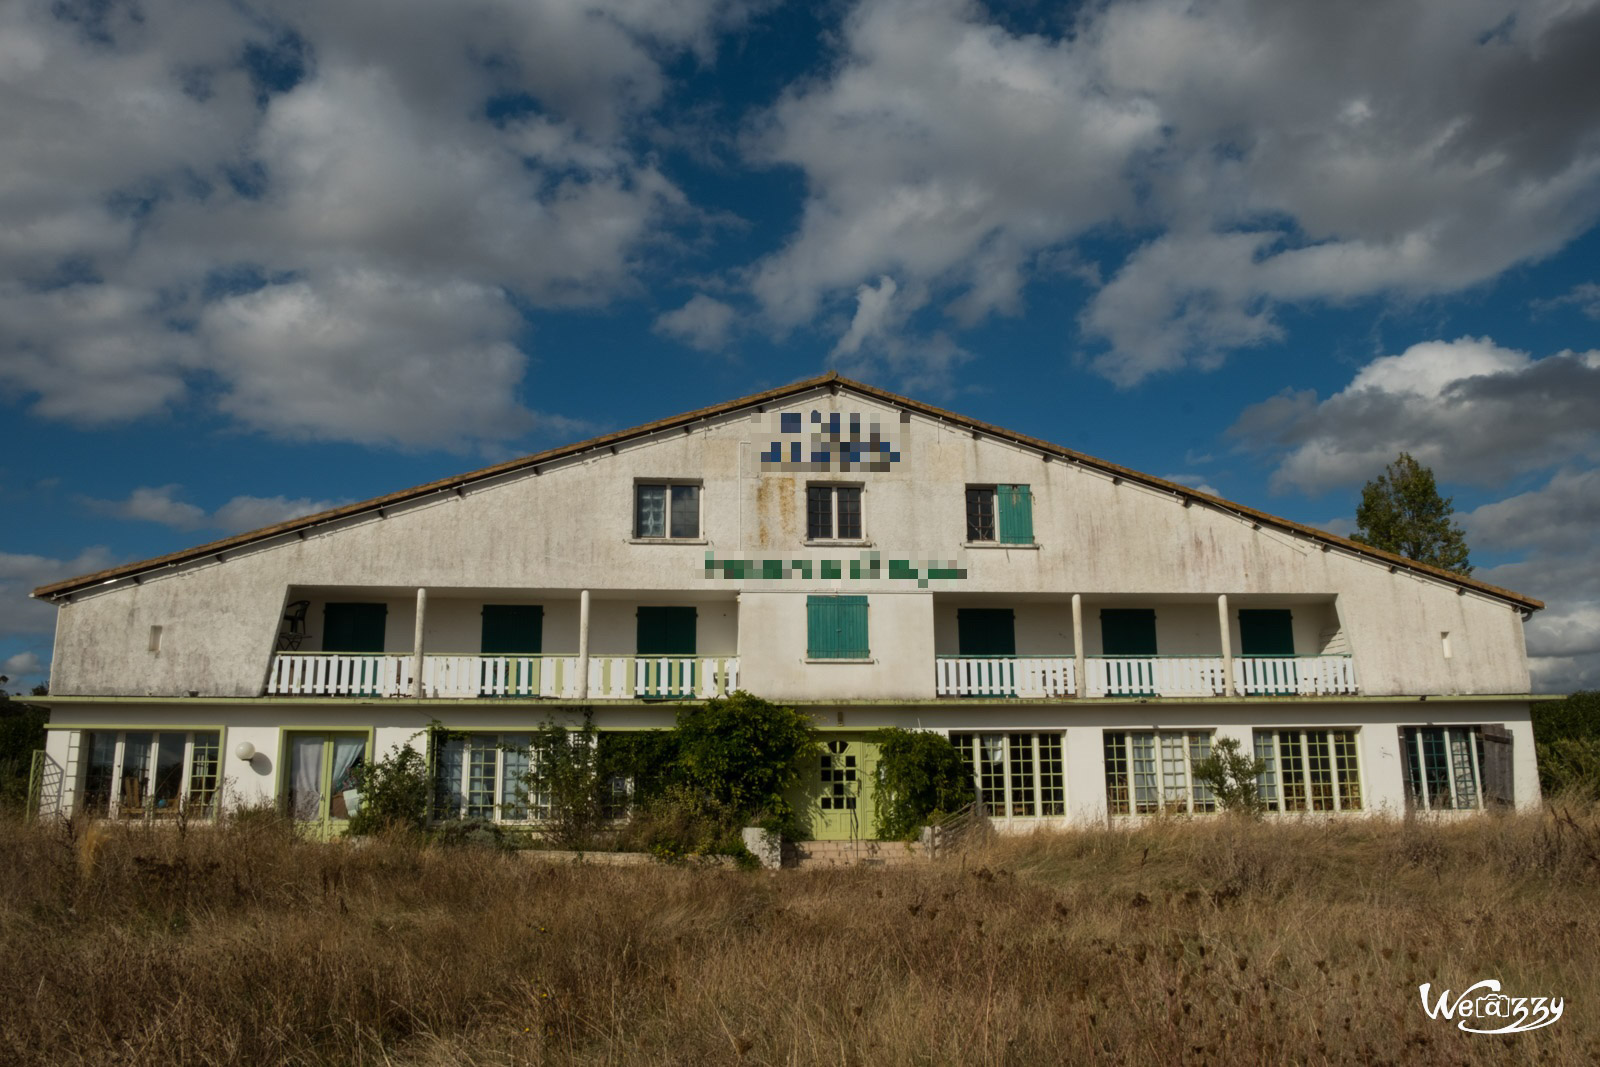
[
  {"x": 417, "y": 690},
  {"x": 583, "y": 645},
  {"x": 1229, "y": 687},
  {"x": 1079, "y": 661}
]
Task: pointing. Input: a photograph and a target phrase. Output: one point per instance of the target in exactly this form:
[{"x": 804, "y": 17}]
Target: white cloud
[
  {"x": 1197, "y": 482},
  {"x": 1461, "y": 407},
  {"x": 703, "y": 322},
  {"x": 1585, "y": 297},
  {"x": 1279, "y": 153},
  {"x": 875, "y": 316},
  {"x": 21, "y": 573},
  {"x": 161, "y": 504},
  {"x": 23, "y": 665},
  {"x": 331, "y": 238}
]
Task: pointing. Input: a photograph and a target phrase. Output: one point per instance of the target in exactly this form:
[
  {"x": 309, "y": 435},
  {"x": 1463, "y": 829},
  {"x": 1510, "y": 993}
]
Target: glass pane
[
  {"x": 819, "y": 512},
  {"x": 514, "y": 779},
  {"x": 204, "y": 764},
  {"x": 305, "y": 782},
  {"x": 1294, "y": 771},
  {"x": 1022, "y": 799},
  {"x": 101, "y": 749},
  {"x": 686, "y": 511},
  {"x": 168, "y": 786},
  {"x": 1435, "y": 767},
  {"x": 134, "y": 788},
  {"x": 449, "y": 761},
  {"x": 481, "y": 755},
  {"x": 992, "y": 772},
  {"x": 1117, "y": 797},
  {"x": 1199, "y": 749},
  {"x": 650, "y": 511},
  {"x": 980, "y": 514},
  {"x": 1052, "y": 779},
  {"x": 1319, "y": 770},
  {"x": 1344, "y": 754},
  {"x": 1174, "y": 777},
  {"x": 849, "y": 498},
  {"x": 1142, "y": 757},
  {"x": 349, "y": 753},
  {"x": 1463, "y": 772},
  {"x": 1267, "y": 780}
]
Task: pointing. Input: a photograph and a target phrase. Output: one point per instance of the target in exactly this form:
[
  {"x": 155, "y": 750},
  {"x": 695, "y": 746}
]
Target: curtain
[
  {"x": 305, "y": 790},
  {"x": 347, "y": 753}
]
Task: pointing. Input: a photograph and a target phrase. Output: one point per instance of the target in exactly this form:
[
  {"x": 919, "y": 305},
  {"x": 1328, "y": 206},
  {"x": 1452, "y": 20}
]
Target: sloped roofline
[{"x": 834, "y": 379}]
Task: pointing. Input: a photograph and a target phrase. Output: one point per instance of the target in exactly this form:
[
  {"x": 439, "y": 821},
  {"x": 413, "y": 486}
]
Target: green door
[
  {"x": 667, "y": 631},
  {"x": 356, "y": 628},
  {"x": 986, "y": 632},
  {"x": 321, "y": 786},
  {"x": 1269, "y": 633},
  {"x": 841, "y": 801},
  {"x": 513, "y": 630},
  {"x": 1129, "y": 632}
]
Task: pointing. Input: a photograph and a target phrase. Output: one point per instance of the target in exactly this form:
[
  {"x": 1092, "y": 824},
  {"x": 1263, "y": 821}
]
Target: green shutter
[
  {"x": 1128, "y": 632},
  {"x": 512, "y": 630},
  {"x": 1265, "y": 632},
  {"x": 1015, "y": 504},
  {"x": 666, "y": 631},
  {"x": 836, "y": 627},
  {"x": 353, "y": 627},
  {"x": 986, "y": 632}
]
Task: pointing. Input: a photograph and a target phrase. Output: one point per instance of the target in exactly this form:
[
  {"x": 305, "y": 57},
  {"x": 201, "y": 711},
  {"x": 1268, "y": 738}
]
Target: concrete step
[{"x": 856, "y": 854}]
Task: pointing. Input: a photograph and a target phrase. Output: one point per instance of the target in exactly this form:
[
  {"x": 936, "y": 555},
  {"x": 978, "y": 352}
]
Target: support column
[
  {"x": 416, "y": 645},
  {"x": 1079, "y": 662},
  {"x": 583, "y": 645},
  {"x": 1227, "y": 645}
]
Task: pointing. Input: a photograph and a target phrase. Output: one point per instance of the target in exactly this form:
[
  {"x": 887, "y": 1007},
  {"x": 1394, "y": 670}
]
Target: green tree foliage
[
  {"x": 1231, "y": 777},
  {"x": 565, "y": 773},
  {"x": 395, "y": 792},
  {"x": 21, "y": 734},
  {"x": 920, "y": 775},
  {"x": 745, "y": 754},
  {"x": 1401, "y": 511},
  {"x": 1566, "y": 735}
]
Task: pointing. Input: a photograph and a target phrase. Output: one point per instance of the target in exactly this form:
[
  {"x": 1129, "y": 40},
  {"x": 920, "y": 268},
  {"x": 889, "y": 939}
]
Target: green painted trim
[{"x": 125, "y": 725}]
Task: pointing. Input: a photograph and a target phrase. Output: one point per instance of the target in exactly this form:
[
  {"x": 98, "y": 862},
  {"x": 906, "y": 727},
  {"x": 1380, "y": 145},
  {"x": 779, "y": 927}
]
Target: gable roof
[{"x": 832, "y": 379}]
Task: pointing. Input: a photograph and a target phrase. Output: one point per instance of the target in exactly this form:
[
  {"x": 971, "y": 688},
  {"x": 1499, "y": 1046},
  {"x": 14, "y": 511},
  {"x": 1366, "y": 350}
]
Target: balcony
[
  {"x": 470, "y": 677},
  {"x": 1143, "y": 676}
]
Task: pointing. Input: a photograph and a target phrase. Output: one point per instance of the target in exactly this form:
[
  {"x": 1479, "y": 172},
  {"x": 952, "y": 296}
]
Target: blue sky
[{"x": 261, "y": 258}]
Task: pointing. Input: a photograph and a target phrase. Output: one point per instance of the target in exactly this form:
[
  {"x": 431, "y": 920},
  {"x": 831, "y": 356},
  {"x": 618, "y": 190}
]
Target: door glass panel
[
  {"x": 348, "y": 756},
  {"x": 135, "y": 786},
  {"x": 305, "y": 784},
  {"x": 168, "y": 785},
  {"x": 97, "y": 782}
]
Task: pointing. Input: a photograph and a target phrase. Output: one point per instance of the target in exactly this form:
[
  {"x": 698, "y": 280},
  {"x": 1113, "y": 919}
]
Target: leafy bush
[
  {"x": 745, "y": 754},
  {"x": 1566, "y": 735},
  {"x": 920, "y": 776},
  {"x": 395, "y": 792},
  {"x": 21, "y": 733},
  {"x": 565, "y": 774},
  {"x": 1231, "y": 777}
]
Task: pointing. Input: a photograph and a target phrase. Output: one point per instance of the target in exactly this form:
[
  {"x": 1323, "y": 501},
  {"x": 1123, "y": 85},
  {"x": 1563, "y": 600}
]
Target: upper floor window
[
  {"x": 1000, "y": 513},
  {"x": 833, "y": 513},
  {"x": 666, "y": 509}
]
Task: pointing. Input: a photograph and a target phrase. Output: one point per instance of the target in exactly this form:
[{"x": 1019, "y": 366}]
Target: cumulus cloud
[
  {"x": 22, "y": 665},
  {"x": 161, "y": 504},
  {"x": 1279, "y": 153},
  {"x": 1585, "y": 296},
  {"x": 324, "y": 220},
  {"x": 704, "y": 323},
  {"x": 21, "y": 573},
  {"x": 1461, "y": 407}
]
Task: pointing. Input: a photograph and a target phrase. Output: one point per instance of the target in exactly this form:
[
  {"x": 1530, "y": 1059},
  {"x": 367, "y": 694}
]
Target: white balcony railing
[
  {"x": 1305, "y": 676},
  {"x": 1005, "y": 676},
  {"x": 1168, "y": 676},
  {"x": 469, "y": 677}
]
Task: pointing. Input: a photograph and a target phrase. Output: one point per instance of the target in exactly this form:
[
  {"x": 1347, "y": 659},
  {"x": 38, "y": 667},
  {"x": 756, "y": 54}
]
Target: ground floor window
[
  {"x": 485, "y": 776},
  {"x": 1020, "y": 775},
  {"x": 157, "y": 774},
  {"x": 1148, "y": 772},
  {"x": 1308, "y": 770},
  {"x": 1443, "y": 766}
]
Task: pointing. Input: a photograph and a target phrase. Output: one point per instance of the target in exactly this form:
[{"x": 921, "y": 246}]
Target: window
[
  {"x": 1016, "y": 775},
  {"x": 1308, "y": 770},
  {"x": 833, "y": 513},
  {"x": 150, "y": 774},
  {"x": 836, "y": 627},
  {"x": 1148, "y": 773},
  {"x": 484, "y": 776},
  {"x": 1001, "y": 513},
  {"x": 1453, "y": 768},
  {"x": 666, "y": 510}
]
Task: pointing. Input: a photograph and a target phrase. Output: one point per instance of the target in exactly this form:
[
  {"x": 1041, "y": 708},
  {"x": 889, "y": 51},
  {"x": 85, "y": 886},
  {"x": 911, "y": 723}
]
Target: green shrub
[
  {"x": 745, "y": 755},
  {"x": 1231, "y": 777},
  {"x": 395, "y": 792},
  {"x": 1570, "y": 767},
  {"x": 920, "y": 776},
  {"x": 565, "y": 773}
]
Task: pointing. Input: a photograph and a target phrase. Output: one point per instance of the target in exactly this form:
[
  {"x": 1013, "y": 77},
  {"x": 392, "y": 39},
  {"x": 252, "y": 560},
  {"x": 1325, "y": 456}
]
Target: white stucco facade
[{"x": 192, "y": 644}]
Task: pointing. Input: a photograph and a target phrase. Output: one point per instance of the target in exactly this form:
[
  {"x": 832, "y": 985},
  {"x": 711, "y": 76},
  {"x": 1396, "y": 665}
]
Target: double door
[{"x": 323, "y": 775}]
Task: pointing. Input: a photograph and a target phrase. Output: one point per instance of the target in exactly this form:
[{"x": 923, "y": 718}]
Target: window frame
[
  {"x": 1414, "y": 769},
  {"x": 457, "y": 805},
  {"x": 1344, "y": 795},
  {"x": 194, "y": 801},
  {"x": 667, "y": 536},
  {"x": 1185, "y": 744},
  {"x": 832, "y": 489},
  {"x": 996, "y": 530},
  {"x": 1039, "y": 756}
]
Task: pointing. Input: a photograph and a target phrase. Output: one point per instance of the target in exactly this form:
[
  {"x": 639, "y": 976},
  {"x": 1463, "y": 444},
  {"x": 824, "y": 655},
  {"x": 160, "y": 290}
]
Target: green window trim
[{"x": 836, "y": 627}]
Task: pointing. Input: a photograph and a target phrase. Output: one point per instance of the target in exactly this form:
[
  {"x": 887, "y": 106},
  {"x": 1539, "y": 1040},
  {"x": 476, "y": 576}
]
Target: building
[{"x": 1082, "y": 631}]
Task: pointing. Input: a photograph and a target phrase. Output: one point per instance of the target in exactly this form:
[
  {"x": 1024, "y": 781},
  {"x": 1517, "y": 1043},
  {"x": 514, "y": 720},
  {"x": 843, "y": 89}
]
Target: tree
[
  {"x": 1231, "y": 775},
  {"x": 1402, "y": 512},
  {"x": 919, "y": 774}
]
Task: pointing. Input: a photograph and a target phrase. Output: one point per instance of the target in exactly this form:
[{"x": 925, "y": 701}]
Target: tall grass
[{"x": 1208, "y": 941}]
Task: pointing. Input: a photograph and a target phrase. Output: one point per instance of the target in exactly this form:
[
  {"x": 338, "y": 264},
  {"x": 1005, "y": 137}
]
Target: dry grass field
[{"x": 1212, "y": 941}]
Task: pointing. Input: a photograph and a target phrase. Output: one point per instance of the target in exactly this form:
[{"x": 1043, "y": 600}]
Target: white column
[
  {"x": 416, "y": 645},
  {"x": 583, "y": 645},
  {"x": 1079, "y": 662},
  {"x": 1227, "y": 645}
]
